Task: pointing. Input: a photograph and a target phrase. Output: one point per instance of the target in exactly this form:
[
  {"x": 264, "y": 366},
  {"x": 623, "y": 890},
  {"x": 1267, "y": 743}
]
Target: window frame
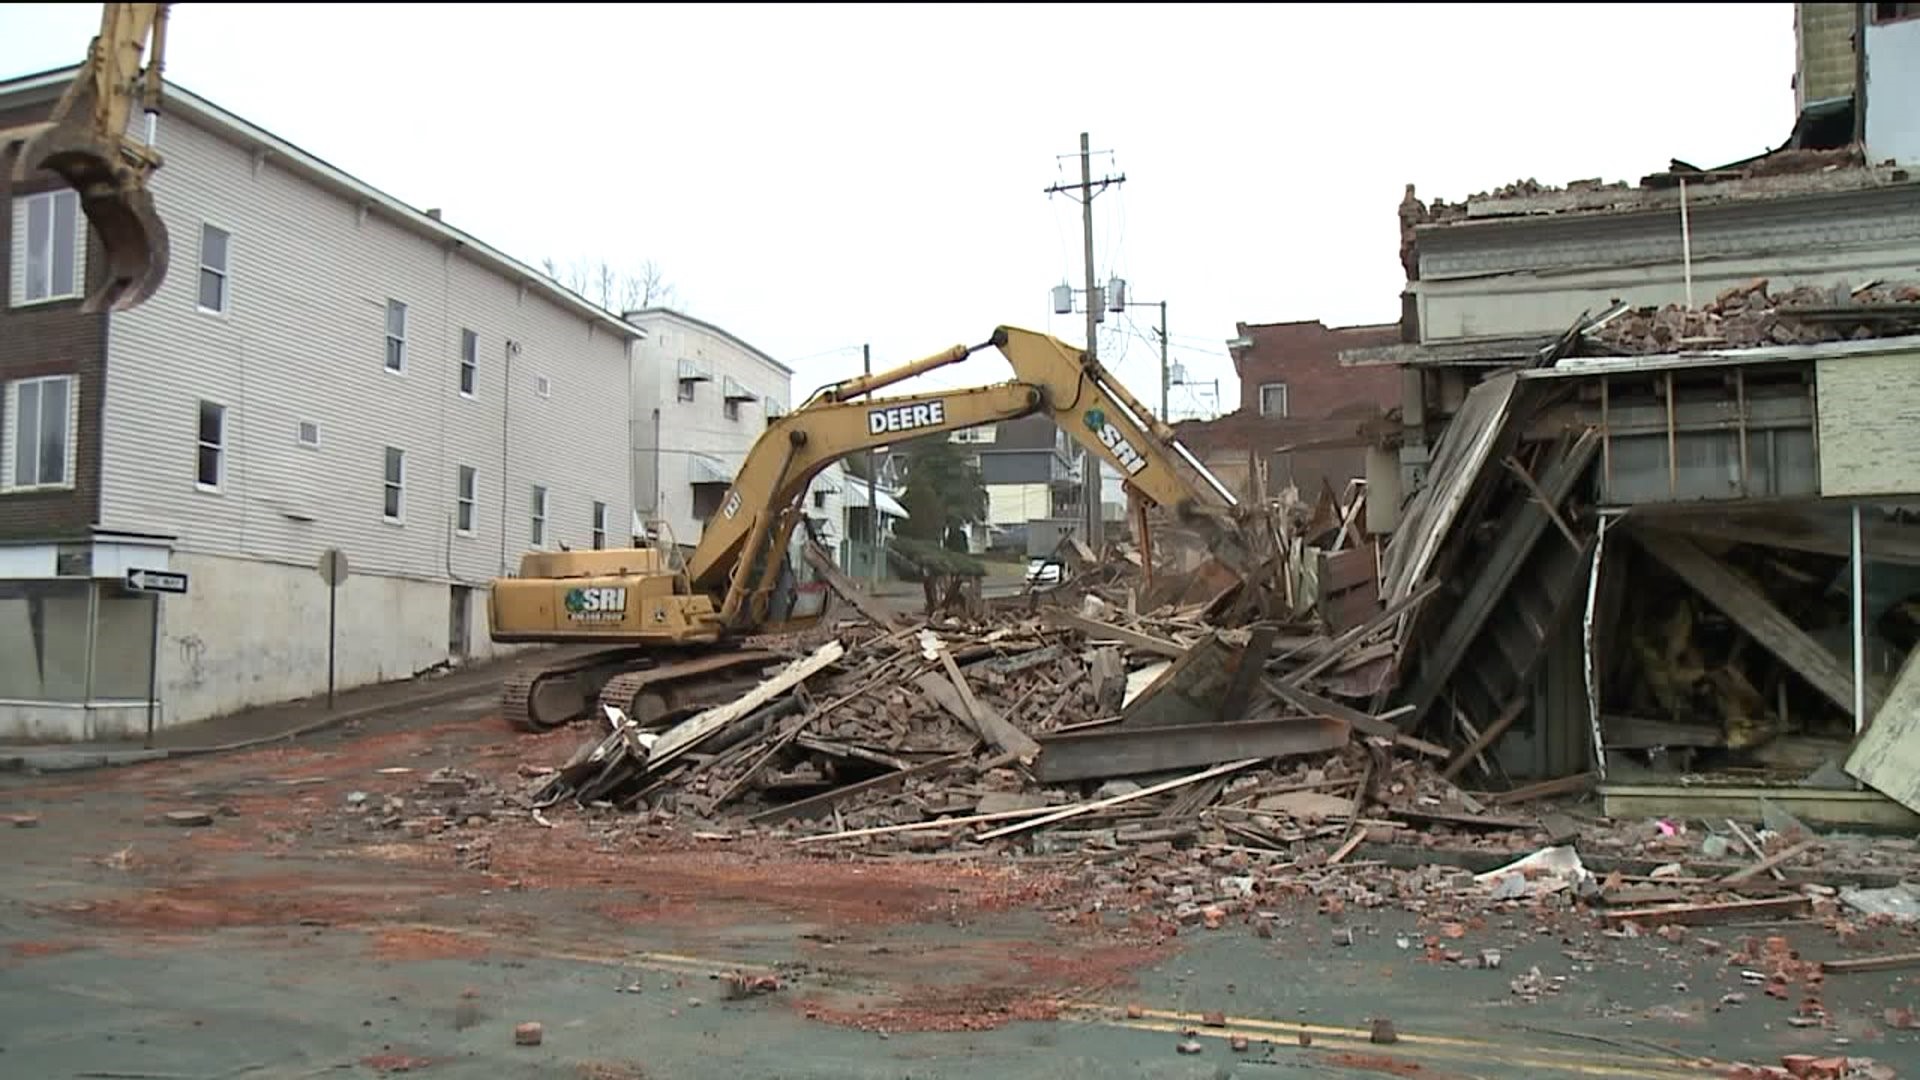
[
  {"x": 599, "y": 525},
  {"x": 466, "y": 496},
  {"x": 542, "y": 515},
  {"x": 201, "y": 446},
  {"x": 298, "y": 441},
  {"x": 469, "y": 377},
  {"x": 397, "y": 487},
  {"x": 225, "y": 272},
  {"x": 395, "y": 345},
  {"x": 77, "y": 238},
  {"x": 15, "y": 390},
  {"x": 1286, "y": 399}
]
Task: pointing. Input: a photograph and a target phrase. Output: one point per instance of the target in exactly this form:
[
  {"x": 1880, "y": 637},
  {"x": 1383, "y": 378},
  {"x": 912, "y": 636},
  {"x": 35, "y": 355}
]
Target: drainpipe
[
  {"x": 656, "y": 464},
  {"x": 506, "y": 408},
  {"x": 1860, "y": 75}
]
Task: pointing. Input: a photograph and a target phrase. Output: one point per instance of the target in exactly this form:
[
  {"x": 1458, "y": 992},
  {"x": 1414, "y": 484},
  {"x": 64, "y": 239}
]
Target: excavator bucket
[{"x": 120, "y": 209}]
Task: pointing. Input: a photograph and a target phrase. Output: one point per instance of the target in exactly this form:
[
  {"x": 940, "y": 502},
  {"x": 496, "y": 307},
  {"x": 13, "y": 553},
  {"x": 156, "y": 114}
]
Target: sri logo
[
  {"x": 1115, "y": 442},
  {"x": 597, "y": 604}
]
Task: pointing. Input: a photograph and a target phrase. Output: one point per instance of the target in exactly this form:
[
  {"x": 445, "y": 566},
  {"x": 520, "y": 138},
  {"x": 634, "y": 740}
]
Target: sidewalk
[{"x": 287, "y": 720}]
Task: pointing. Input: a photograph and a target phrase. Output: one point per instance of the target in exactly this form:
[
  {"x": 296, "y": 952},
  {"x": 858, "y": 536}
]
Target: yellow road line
[{"x": 1491, "y": 1053}]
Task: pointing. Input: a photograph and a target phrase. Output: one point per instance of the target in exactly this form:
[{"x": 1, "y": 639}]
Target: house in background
[
  {"x": 324, "y": 367},
  {"x": 1304, "y": 418},
  {"x": 1031, "y": 476}
]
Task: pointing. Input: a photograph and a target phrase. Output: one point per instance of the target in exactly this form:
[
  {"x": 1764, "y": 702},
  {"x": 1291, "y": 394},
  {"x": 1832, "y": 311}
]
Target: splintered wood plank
[
  {"x": 1886, "y": 756},
  {"x": 1705, "y": 914},
  {"x": 688, "y": 733},
  {"x": 992, "y": 727}
]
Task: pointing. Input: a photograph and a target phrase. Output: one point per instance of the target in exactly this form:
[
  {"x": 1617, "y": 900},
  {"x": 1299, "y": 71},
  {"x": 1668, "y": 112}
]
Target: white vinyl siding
[
  {"x": 49, "y": 247},
  {"x": 311, "y": 410},
  {"x": 537, "y": 535},
  {"x": 41, "y": 415},
  {"x": 394, "y": 485},
  {"x": 213, "y": 446},
  {"x": 465, "y": 494},
  {"x": 215, "y": 252},
  {"x": 396, "y": 337}
]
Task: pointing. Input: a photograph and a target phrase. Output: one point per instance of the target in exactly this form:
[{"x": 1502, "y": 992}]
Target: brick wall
[
  {"x": 1306, "y": 357},
  {"x": 1824, "y": 52},
  {"x": 1331, "y": 450},
  {"x": 51, "y": 339}
]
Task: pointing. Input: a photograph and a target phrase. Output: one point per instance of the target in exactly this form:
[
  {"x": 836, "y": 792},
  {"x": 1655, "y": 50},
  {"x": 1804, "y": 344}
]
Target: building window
[
  {"x": 396, "y": 482},
  {"x": 464, "y": 500},
  {"x": 307, "y": 434},
  {"x": 686, "y": 390},
  {"x": 732, "y": 409},
  {"x": 51, "y": 264},
  {"x": 1886, "y": 13},
  {"x": 543, "y": 386},
  {"x": 213, "y": 445},
  {"x": 599, "y": 526},
  {"x": 469, "y": 362},
  {"x": 213, "y": 269},
  {"x": 819, "y": 500},
  {"x": 539, "y": 515},
  {"x": 1273, "y": 399},
  {"x": 40, "y": 416},
  {"x": 396, "y": 336}
]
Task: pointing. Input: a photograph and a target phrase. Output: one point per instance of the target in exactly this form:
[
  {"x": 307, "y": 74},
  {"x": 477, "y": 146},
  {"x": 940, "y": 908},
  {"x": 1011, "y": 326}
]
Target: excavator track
[
  {"x": 649, "y": 695},
  {"x": 545, "y": 699}
]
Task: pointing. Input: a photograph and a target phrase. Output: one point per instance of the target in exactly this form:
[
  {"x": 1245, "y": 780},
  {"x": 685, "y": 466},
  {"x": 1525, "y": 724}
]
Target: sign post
[
  {"x": 157, "y": 583},
  {"x": 333, "y": 571}
]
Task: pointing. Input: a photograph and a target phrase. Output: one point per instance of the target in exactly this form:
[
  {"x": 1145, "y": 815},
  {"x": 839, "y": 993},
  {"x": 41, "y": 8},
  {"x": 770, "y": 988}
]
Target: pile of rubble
[{"x": 1749, "y": 316}]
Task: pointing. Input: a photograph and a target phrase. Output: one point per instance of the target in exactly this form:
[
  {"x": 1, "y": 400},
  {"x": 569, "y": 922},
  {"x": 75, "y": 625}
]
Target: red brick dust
[
  {"x": 677, "y": 884},
  {"x": 395, "y": 1063},
  {"x": 1379, "y": 1063},
  {"x": 1051, "y": 977},
  {"x": 27, "y": 950},
  {"x": 423, "y": 944},
  {"x": 255, "y": 901}
]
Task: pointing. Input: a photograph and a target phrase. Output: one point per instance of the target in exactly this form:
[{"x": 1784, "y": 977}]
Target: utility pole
[
  {"x": 1090, "y": 465},
  {"x": 873, "y": 501},
  {"x": 1164, "y": 417}
]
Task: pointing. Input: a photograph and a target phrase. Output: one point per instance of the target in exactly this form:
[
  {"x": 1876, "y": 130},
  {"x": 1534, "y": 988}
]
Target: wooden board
[
  {"x": 1887, "y": 756},
  {"x": 1096, "y": 755}
]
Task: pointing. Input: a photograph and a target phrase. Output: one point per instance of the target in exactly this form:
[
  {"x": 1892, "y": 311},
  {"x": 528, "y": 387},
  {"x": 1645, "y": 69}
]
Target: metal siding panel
[{"x": 1869, "y": 410}]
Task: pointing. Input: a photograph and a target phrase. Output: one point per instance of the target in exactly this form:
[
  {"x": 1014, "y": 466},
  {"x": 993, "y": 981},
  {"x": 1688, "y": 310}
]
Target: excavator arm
[
  {"x": 86, "y": 140},
  {"x": 740, "y": 550}
]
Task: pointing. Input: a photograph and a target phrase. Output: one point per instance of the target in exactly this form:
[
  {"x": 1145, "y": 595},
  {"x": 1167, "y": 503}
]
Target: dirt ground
[{"x": 312, "y": 927}]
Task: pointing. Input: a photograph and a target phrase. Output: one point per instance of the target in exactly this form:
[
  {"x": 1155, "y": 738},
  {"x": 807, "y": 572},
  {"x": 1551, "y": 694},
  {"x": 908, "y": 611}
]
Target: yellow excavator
[{"x": 673, "y": 629}]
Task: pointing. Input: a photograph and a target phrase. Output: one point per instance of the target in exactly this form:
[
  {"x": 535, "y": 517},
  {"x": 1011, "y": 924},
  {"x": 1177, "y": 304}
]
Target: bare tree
[{"x": 613, "y": 289}]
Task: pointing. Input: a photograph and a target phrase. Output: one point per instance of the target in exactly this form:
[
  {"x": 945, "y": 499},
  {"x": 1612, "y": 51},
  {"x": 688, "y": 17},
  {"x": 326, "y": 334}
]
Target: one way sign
[{"x": 158, "y": 581}]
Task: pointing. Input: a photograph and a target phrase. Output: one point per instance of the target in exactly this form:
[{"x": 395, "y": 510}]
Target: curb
[{"x": 57, "y": 759}]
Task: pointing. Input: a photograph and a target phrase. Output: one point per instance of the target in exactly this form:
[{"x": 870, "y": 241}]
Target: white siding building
[
  {"x": 325, "y": 367},
  {"x": 701, "y": 397}
]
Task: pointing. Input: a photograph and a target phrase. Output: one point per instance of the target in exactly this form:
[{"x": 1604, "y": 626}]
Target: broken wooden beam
[
  {"x": 1097, "y": 755},
  {"x": 1770, "y": 862},
  {"x": 1706, "y": 914},
  {"x": 1743, "y": 602},
  {"x": 826, "y": 800},
  {"x": 1309, "y": 702},
  {"x": 690, "y": 732},
  {"x": 1888, "y": 962},
  {"x": 1097, "y": 630},
  {"x": 1116, "y": 800},
  {"x": 992, "y": 727}
]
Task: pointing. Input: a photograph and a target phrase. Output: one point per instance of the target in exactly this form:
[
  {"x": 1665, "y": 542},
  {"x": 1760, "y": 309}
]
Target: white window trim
[
  {"x": 543, "y": 386},
  {"x": 226, "y": 272},
  {"x": 386, "y": 335},
  {"x": 21, "y": 240},
  {"x": 8, "y": 443},
  {"x": 597, "y": 534},
  {"x": 401, "y": 518},
  {"x": 464, "y": 365},
  {"x": 540, "y": 526},
  {"x": 199, "y": 444},
  {"x": 298, "y": 441},
  {"x": 472, "y": 501},
  {"x": 1286, "y": 399}
]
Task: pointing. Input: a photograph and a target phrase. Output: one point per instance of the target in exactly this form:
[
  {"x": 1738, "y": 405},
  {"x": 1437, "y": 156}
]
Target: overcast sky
[{"x": 811, "y": 178}]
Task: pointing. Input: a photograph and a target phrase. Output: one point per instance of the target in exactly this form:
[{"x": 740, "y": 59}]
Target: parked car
[{"x": 1044, "y": 571}]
